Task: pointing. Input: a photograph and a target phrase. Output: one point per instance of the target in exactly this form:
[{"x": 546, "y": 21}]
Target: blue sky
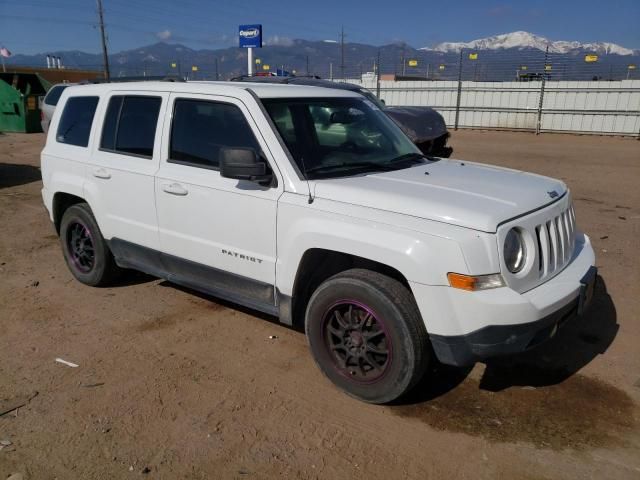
[{"x": 31, "y": 26}]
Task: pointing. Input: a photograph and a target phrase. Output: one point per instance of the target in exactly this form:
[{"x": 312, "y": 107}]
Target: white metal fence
[{"x": 602, "y": 107}]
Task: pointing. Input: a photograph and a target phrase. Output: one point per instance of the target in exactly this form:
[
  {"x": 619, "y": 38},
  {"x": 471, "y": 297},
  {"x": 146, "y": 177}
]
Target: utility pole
[
  {"x": 330, "y": 70},
  {"x": 404, "y": 62},
  {"x": 378, "y": 76},
  {"x": 217, "y": 76},
  {"x": 105, "y": 57},
  {"x": 342, "y": 53},
  {"x": 307, "y": 65}
]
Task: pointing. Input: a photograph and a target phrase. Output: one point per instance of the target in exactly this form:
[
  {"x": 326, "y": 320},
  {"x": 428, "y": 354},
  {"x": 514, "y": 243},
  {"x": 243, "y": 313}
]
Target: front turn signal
[{"x": 474, "y": 283}]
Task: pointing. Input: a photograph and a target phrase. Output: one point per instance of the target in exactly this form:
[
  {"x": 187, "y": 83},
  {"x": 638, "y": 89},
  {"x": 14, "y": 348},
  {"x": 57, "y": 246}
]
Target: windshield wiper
[
  {"x": 407, "y": 157},
  {"x": 374, "y": 165}
]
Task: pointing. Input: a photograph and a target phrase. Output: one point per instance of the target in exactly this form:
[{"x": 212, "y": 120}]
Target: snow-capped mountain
[{"x": 522, "y": 40}]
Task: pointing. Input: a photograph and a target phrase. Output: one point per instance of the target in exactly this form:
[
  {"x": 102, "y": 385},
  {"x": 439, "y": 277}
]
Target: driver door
[{"x": 216, "y": 234}]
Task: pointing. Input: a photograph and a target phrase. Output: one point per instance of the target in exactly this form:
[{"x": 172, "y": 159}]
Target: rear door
[{"x": 124, "y": 160}]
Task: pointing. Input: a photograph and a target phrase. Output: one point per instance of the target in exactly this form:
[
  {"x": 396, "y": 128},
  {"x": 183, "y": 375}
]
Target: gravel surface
[{"x": 172, "y": 384}]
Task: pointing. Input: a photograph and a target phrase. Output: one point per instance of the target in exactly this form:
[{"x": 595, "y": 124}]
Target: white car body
[{"x": 249, "y": 245}]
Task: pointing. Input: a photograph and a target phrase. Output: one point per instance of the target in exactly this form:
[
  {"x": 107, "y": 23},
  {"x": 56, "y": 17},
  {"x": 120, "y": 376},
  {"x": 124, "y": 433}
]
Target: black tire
[
  {"x": 84, "y": 248},
  {"x": 383, "y": 318}
]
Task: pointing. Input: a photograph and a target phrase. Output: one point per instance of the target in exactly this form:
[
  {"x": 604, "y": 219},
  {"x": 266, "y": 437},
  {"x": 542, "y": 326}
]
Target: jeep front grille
[{"x": 556, "y": 240}]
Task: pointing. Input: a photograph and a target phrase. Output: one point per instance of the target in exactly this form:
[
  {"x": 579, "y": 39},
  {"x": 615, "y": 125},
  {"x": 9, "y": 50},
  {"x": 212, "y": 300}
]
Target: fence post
[
  {"x": 378, "y": 76},
  {"x": 539, "y": 121},
  {"x": 542, "y": 85},
  {"x": 455, "y": 127}
]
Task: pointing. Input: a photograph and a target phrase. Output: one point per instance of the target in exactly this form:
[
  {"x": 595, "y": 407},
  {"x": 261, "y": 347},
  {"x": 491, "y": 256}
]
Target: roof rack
[
  {"x": 158, "y": 78},
  {"x": 282, "y": 79}
]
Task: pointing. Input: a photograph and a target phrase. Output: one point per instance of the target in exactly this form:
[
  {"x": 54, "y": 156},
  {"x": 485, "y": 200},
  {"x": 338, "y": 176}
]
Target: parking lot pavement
[{"x": 173, "y": 384}]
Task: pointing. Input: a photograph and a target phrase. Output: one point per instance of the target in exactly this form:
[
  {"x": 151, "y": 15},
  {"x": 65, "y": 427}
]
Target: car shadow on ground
[
  {"x": 129, "y": 278},
  {"x": 575, "y": 345},
  {"x": 225, "y": 303},
  {"x": 13, "y": 175}
]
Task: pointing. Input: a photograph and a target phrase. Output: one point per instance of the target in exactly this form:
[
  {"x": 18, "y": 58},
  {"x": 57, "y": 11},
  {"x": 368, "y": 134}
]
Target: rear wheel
[
  {"x": 367, "y": 336},
  {"x": 85, "y": 250}
]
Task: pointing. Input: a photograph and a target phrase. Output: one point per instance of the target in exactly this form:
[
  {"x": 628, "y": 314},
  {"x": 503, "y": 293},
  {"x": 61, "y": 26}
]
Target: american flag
[{"x": 4, "y": 52}]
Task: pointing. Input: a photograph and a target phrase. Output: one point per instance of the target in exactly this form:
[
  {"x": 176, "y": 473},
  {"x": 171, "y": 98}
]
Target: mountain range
[
  {"x": 523, "y": 40},
  {"x": 499, "y": 57}
]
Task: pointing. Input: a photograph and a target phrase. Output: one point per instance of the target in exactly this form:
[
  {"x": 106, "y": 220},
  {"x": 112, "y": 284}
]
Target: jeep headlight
[{"x": 515, "y": 251}]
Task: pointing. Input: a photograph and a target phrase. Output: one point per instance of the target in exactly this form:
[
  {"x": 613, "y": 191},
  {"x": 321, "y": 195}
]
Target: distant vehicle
[
  {"x": 423, "y": 125},
  {"x": 311, "y": 205},
  {"x": 48, "y": 105}
]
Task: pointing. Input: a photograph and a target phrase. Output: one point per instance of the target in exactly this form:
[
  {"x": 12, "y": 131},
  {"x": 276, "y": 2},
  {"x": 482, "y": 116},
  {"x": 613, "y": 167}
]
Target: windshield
[{"x": 335, "y": 137}]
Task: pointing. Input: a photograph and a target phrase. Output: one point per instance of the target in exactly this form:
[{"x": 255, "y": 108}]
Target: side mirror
[
  {"x": 243, "y": 164},
  {"x": 383, "y": 102}
]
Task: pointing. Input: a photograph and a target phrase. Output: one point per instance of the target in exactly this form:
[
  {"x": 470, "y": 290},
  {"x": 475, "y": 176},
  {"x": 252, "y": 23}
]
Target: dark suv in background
[{"x": 423, "y": 125}]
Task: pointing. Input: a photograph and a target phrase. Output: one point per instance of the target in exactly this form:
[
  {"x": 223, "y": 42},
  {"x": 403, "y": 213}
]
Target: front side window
[
  {"x": 201, "y": 128},
  {"x": 130, "y": 125},
  {"x": 332, "y": 137},
  {"x": 76, "y": 120}
]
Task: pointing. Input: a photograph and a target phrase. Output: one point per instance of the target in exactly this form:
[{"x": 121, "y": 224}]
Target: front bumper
[{"x": 465, "y": 327}]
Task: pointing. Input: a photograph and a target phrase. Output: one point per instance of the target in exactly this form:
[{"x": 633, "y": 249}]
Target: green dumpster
[{"x": 19, "y": 106}]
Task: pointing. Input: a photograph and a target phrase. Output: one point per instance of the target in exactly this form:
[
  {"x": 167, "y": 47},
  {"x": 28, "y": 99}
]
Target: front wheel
[{"x": 367, "y": 336}]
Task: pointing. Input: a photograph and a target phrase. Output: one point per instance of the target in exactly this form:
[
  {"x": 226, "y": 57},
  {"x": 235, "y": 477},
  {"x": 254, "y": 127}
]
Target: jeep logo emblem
[
  {"x": 552, "y": 194},
  {"x": 250, "y": 33}
]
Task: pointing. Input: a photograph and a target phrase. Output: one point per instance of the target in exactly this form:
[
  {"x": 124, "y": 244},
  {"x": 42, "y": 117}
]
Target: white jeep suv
[{"x": 310, "y": 204}]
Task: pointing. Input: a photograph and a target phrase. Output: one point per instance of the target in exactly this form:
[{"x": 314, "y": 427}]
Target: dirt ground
[{"x": 174, "y": 385}]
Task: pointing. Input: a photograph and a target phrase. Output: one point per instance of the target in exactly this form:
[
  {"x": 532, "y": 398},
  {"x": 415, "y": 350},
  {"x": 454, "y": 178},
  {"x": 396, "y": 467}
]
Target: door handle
[
  {"x": 174, "y": 189},
  {"x": 101, "y": 173}
]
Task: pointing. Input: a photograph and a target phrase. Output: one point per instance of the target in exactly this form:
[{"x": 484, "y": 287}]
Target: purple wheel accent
[
  {"x": 80, "y": 247},
  {"x": 357, "y": 341}
]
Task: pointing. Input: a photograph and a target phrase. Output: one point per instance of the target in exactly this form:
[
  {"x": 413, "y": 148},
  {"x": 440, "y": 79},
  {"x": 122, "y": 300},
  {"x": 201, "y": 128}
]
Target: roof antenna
[{"x": 304, "y": 167}]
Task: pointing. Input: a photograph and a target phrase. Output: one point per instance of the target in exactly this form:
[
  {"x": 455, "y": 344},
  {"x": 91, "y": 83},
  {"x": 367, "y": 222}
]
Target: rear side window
[
  {"x": 75, "y": 123},
  {"x": 53, "y": 95},
  {"x": 201, "y": 128},
  {"x": 130, "y": 125}
]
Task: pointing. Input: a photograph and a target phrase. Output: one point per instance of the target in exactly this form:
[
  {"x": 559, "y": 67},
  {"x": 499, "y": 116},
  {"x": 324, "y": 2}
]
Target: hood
[
  {"x": 420, "y": 124},
  {"x": 460, "y": 193}
]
